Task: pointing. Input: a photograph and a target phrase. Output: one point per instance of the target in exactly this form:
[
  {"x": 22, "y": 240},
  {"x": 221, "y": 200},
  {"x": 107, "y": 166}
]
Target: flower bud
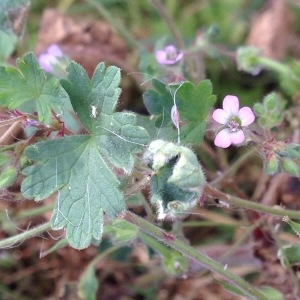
[
  {"x": 259, "y": 109},
  {"x": 293, "y": 151},
  {"x": 271, "y": 101},
  {"x": 178, "y": 180},
  {"x": 272, "y": 165},
  {"x": 290, "y": 167},
  {"x": 248, "y": 60}
]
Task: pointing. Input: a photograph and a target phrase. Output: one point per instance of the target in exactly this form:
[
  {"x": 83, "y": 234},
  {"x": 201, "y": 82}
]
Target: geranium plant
[{"x": 92, "y": 158}]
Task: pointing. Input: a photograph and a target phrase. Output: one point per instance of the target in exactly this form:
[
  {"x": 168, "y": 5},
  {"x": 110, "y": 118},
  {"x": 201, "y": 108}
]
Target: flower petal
[
  {"x": 221, "y": 116},
  {"x": 161, "y": 56},
  {"x": 246, "y": 116},
  {"x": 55, "y": 50},
  {"x": 223, "y": 139},
  {"x": 237, "y": 137},
  {"x": 231, "y": 104},
  {"x": 179, "y": 56},
  {"x": 47, "y": 61},
  {"x": 170, "y": 49}
]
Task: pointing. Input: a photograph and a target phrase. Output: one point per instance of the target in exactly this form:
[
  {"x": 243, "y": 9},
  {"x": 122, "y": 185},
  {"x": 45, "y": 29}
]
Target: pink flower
[
  {"x": 48, "y": 59},
  {"x": 233, "y": 119},
  {"x": 169, "y": 56}
]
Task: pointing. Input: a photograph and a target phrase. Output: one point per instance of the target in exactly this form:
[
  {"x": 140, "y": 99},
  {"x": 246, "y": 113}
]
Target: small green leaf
[
  {"x": 290, "y": 167},
  {"x": 159, "y": 102},
  {"x": 293, "y": 151},
  {"x": 232, "y": 288},
  {"x": 30, "y": 83},
  {"x": 291, "y": 253},
  {"x": 174, "y": 262},
  {"x": 295, "y": 226},
  {"x": 193, "y": 103},
  {"x": 88, "y": 284},
  {"x": 4, "y": 159},
  {"x": 7, "y": 45},
  {"x": 7, "y": 177},
  {"x": 122, "y": 231},
  {"x": 267, "y": 291},
  {"x": 271, "y": 293}
]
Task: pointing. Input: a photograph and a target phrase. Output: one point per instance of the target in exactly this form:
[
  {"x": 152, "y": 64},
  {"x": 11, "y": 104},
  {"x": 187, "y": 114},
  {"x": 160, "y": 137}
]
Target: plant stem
[
  {"x": 277, "y": 211},
  {"x": 9, "y": 242},
  {"x": 34, "y": 212},
  {"x": 188, "y": 251},
  {"x": 276, "y": 66},
  {"x": 131, "y": 41},
  {"x": 166, "y": 17}
]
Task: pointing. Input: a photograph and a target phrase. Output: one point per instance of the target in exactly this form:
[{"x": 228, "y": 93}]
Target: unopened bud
[
  {"x": 271, "y": 101},
  {"x": 290, "y": 167},
  {"x": 248, "y": 60},
  {"x": 259, "y": 109},
  {"x": 178, "y": 179},
  {"x": 272, "y": 165},
  {"x": 293, "y": 151}
]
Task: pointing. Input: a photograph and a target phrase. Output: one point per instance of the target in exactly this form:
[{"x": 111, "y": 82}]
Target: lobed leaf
[
  {"x": 30, "y": 83},
  {"x": 77, "y": 166},
  {"x": 193, "y": 103},
  {"x": 115, "y": 132}
]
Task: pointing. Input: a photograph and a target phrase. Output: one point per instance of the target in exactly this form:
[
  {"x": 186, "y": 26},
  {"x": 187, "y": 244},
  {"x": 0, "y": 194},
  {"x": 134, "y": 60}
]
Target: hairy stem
[
  {"x": 10, "y": 242},
  {"x": 188, "y": 251},
  {"x": 276, "y": 211}
]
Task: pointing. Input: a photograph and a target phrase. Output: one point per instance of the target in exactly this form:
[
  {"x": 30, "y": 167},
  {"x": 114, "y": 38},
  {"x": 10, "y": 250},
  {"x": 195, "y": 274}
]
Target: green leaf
[
  {"x": 291, "y": 253},
  {"x": 7, "y": 45},
  {"x": 7, "y": 177},
  {"x": 87, "y": 187},
  {"x": 174, "y": 262},
  {"x": 30, "y": 84},
  {"x": 193, "y": 102},
  {"x": 271, "y": 293},
  {"x": 232, "y": 288},
  {"x": 159, "y": 102},
  {"x": 4, "y": 159},
  {"x": 77, "y": 166},
  {"x": 122, "y": 231},
  {"x": 295, "y": 226},
  {"x": 115, "y": 132},
  {"x": 88, "y": 284},
  {"x": 267, "y": 291}
]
